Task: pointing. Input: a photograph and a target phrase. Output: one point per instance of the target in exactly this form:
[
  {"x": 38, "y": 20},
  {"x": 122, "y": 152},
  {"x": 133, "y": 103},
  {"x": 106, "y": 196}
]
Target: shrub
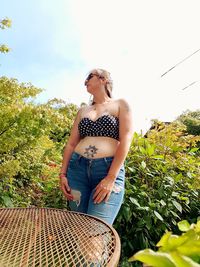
[
  {"x": 174, "y": 250},
  {"x": 162, "y": 187}
]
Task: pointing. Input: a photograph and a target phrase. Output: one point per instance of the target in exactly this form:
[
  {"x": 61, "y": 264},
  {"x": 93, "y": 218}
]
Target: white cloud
[{"x": 136, "y": 41}]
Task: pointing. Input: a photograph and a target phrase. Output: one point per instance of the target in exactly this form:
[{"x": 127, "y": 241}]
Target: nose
[{"x": 86, "y": 81}]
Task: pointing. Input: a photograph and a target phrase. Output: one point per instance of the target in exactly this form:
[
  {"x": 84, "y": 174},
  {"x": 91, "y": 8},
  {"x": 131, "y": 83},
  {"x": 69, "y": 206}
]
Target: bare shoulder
[
  {"x": 124, "y": 105},
  {"x": 83, "y": 110}
]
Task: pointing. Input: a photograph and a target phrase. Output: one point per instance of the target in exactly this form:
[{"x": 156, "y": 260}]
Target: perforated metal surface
[{"x": 31, "y": 237}]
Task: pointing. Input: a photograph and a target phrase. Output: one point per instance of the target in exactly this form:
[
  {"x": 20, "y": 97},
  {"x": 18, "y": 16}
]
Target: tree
[
  {"x": 32, "y": 137},
  {"x": 192, "y": 121},
  {"x": 5, "y": 23}
]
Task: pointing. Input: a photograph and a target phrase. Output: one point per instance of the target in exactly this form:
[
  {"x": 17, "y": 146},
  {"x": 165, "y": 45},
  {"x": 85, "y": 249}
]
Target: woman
[{"x": 92, "y": 174}]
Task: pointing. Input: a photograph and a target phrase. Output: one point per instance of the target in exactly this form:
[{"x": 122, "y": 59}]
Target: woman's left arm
[
  {"x": 104, "y": 188},
  {"x": 125, "y": 138}
]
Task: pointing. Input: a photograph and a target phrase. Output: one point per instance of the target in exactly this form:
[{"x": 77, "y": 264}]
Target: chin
[{"x": 89, "y": 91}]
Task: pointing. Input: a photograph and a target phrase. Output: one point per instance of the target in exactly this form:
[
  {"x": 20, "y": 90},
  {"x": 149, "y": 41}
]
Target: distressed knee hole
[
  {"x": 76, "y": 196},
  {"x": 117, "y": 188}
]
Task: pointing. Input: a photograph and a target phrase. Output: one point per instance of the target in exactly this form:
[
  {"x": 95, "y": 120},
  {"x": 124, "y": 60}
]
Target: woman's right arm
[{"x": 68, "y": 150}]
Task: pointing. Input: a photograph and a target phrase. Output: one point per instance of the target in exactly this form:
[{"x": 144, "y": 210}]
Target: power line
[
  {"x": 190, "y": 85},
  {"x": 179, "y": 63}
]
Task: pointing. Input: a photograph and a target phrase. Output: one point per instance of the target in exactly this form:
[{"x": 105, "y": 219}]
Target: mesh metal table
[{"x": 54, "y": 237}]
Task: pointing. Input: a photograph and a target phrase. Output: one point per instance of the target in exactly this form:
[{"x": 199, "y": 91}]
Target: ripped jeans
[{"x": 83, "y": 176}]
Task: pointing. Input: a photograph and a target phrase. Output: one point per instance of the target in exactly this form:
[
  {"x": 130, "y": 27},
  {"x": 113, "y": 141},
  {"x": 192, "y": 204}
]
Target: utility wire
[
  {"x": 190, "y": 85},
  {"x": 179, "y": 63}
]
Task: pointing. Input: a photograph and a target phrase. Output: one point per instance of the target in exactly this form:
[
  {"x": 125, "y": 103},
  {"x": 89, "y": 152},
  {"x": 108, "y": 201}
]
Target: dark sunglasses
[{"x": 90, "y": 76}]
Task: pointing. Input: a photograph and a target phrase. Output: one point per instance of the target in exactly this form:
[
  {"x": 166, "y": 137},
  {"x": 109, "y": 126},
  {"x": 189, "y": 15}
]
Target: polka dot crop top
[{"x": 106, "y": 125}]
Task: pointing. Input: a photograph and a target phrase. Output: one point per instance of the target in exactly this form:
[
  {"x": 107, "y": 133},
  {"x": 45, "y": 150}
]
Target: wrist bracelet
[{"x": 62, "y": 174}]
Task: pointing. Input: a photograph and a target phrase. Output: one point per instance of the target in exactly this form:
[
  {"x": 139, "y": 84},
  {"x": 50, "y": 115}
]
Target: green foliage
[
  {"x": 31, "y": 143},
  {"x": 174, "y": 250},
  {"x": 163, "y": 170},
  {"x": 162, "y": 186},
  {"x": 192, "y": 121},
  {"x": 5, "y": 23}
]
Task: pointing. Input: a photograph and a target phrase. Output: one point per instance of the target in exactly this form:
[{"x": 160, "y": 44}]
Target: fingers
[
  {"x": 99, "y": 198},
  {"x": 108, "y": 196},
  {"x": 97, "y": 191},
  {"x": 66, "y": 189},
  {"x": 101, "y": 193},
  {"x": 67, "y": 194}
]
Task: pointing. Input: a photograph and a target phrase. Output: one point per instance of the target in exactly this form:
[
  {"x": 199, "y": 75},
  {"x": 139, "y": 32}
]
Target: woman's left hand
[{"x": 103, "y": 190}]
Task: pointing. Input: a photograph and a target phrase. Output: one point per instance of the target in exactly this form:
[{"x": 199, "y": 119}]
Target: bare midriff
[{"x": 97, "y": 147}]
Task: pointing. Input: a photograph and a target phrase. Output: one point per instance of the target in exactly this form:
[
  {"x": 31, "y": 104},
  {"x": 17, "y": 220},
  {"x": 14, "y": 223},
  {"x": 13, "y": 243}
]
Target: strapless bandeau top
[{"x": 105, "y": 125}]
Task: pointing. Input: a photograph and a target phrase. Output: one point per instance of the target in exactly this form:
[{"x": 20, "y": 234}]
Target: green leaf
[
  {"x": 177, "y": 205},
  {"x": 131, "y": 169},
  {"x": 134, "y": 201},
  {"x": 142, "y": 150},
  {"x": 175, "y": 194},
  {"x": 175, "y": 215},
  {"x": 189, "y": 175},
  {"x": 183, "y": 261},
  {"x": 150, "y": 150},
  {"x": 184, "y": 226},
  {"x": 164, "y": 239},
  {"x": 198, "y": 227},
  {"x": 7, "y": 201},
  {"x": 155, "y": 259},
  {"x": 158, "y": 215},
  {"x": 194, "y": 149},
  {"x": 127, "y": 213},
  {"x": 174, "y": 242},
  {"x": 193, "y": 249},
  {"x": 143, "y": 164},
  {"x": 179, "y": 243},
  {"x": 162, "y": 202},
  {"x": 158, "y": 157}
]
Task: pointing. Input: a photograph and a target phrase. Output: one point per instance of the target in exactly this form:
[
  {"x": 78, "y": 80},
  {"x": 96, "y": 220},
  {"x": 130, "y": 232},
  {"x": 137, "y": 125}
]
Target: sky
[{"x": 55, "y": 43}]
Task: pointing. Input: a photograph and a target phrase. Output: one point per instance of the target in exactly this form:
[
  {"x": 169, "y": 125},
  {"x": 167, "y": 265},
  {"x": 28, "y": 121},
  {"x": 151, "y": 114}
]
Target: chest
[{"x": 96, "y": 111}]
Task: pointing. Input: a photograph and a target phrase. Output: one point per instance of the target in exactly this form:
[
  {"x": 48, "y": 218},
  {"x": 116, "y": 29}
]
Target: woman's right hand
[{"x": 64, "y": 186}]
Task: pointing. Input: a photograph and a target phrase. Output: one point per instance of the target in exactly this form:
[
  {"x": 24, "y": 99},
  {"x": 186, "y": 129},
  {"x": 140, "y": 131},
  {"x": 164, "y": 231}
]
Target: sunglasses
[{"x": 90, "y": 76}]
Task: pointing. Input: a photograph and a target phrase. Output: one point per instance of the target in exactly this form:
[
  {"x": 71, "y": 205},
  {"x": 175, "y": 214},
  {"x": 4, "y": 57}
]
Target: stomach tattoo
[{"x": 90, "y": 151}]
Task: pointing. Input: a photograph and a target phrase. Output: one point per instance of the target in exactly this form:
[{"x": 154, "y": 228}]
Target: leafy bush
[
  {"x": 192, "y": 121},
  {"x": 32, "y": 137},
  {"x": 163, "y": 170},
  {"x": 162, "y": 187},
  {"x": 174, "y": 250}
]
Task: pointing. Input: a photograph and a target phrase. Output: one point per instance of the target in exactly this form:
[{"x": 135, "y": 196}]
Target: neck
[{"x": 102, "y": 100}]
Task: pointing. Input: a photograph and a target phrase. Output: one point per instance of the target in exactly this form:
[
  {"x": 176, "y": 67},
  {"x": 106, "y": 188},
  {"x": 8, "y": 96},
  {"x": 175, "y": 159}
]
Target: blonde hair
[{"x": 105, "y": 75}]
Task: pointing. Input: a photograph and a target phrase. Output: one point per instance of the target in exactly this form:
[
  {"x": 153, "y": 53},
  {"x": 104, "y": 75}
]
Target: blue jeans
[{"x": 83, "y": 176}]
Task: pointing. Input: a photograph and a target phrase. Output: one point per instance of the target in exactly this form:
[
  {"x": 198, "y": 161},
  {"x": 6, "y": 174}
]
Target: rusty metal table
[{"x": 55, "y": 237}]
